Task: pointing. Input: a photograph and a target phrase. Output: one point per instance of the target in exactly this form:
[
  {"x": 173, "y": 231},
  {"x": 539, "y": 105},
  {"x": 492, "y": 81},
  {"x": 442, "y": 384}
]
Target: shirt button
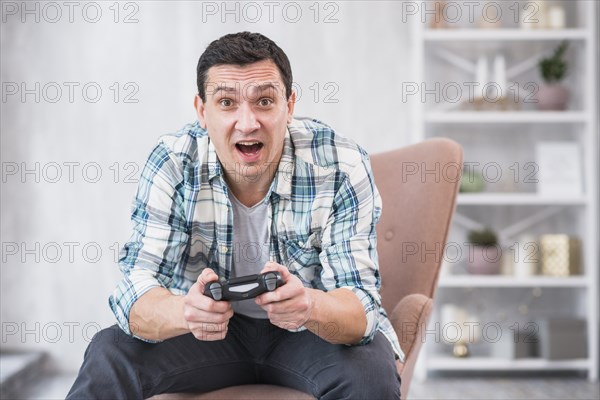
[
  {"x": 301, "y": 244},
  {"x": 224, "y": 249}
]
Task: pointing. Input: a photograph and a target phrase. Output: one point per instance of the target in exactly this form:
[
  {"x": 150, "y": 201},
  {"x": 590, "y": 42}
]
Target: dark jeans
[{"x": 117, "y": 366}]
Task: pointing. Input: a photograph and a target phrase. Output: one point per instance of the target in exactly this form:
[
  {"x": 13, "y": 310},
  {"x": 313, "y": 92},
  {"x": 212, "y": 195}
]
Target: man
[{"x": 245, "y": 190}]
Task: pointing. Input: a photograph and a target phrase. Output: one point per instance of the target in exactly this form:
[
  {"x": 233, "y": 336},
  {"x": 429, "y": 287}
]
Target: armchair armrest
[{"x": 409, "y": 319}]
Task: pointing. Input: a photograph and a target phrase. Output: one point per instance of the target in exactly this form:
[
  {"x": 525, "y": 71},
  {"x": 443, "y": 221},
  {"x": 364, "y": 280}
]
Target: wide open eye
[
  {"x": 265, "y": 102},
  {"x": 226, "y": 102}
]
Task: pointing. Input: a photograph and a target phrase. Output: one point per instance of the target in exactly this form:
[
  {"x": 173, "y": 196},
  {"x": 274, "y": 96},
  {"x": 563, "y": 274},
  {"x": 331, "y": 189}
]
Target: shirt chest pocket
[{"x": 300, "y": 256}]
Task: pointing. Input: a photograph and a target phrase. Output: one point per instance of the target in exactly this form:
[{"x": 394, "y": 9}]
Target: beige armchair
[{"x": 418, "y": 185}]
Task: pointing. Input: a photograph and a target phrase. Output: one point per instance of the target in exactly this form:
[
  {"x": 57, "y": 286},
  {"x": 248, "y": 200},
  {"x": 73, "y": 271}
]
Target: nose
[{"x": 246, "y": 119}]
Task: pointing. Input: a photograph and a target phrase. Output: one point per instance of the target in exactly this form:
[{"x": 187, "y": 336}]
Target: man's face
[{"x": 246, "y": 115}]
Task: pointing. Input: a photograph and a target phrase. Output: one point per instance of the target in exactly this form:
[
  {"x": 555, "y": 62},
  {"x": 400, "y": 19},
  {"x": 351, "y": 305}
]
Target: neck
[{"x": 251, "y": 189}]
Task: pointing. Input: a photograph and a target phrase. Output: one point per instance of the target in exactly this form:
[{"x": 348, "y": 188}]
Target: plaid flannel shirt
[{"x": 323, "y": 207}]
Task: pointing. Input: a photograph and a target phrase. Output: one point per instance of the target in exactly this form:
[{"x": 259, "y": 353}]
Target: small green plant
[
  {"x": 485, "y": 237},
  {"x": 555, "y": 68}
]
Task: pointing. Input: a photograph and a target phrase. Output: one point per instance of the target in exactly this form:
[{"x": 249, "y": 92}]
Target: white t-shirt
[{"x": 251, "y": 248}]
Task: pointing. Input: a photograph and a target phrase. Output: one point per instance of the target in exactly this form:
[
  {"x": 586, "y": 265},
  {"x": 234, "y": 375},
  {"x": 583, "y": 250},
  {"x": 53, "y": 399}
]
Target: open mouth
[{"x": 249, "y": 148}]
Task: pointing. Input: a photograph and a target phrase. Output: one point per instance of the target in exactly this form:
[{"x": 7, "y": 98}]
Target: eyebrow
[
  {"x": 230, "y": 89},
  {"x": 223, "y": 88}
]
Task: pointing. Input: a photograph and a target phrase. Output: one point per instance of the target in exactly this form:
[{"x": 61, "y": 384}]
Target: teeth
[{"x": 248, "y": 143}]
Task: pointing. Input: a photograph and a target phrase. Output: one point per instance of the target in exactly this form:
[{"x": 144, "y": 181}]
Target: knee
[
  {"x": 114, "y": 356},
  {"x": 371, "y": 380},
  {"x": 364, "y": 377},
  {"x": 109, "y": 368},
  {"x": 109, "y": 346}
]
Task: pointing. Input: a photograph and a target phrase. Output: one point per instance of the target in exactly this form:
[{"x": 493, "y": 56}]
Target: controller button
[
  {"x": 270, "y": 281},
  {"x": 216, "y": 291}
]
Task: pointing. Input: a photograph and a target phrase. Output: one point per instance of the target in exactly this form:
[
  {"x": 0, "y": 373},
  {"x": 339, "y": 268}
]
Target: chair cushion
[{"x": 243, "y": 392}]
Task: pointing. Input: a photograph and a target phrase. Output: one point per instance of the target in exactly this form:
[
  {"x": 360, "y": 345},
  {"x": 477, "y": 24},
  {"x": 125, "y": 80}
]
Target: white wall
[{"x": 55, "y": 301}]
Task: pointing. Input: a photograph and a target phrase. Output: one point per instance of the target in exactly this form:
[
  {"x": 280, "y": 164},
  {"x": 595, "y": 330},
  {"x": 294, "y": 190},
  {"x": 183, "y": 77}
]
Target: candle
[
  {"x": 481, "y": 74},
  {"x": 500, "y": 74},
  {"x": 527, "y": 256},
  {"x": 448, "y": 314},
  {"x": 556, "y": 17},
  {"x": 534, "y": 15}
]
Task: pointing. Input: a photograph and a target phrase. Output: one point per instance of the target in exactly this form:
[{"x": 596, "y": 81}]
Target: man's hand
[
  {"x": 289, "y": 306},
  {"x": 207, "y": 319}
]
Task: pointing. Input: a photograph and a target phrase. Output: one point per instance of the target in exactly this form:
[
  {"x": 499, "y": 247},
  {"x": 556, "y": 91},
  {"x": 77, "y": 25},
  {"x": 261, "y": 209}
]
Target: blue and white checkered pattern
[{"x": 323, "y": 207}]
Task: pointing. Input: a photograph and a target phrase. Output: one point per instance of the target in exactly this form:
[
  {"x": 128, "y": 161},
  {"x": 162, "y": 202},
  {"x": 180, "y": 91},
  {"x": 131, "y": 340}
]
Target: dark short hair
[{"x": 242, "y": 48}]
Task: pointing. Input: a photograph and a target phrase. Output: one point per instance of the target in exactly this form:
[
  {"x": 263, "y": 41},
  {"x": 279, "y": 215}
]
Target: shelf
[
  {"x": 489, "y": 133},
  {"x": 448, "y": 35},
  {"x": 496, "y": 364},
  {"x": 516, "y": 199},
  {"x": 506, "y": 117},
  {"x": 511, "y": 281}
]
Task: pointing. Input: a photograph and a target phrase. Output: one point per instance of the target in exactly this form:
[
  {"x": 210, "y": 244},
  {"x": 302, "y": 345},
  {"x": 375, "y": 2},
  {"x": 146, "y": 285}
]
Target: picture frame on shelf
[{"x": 560, "y": 169}]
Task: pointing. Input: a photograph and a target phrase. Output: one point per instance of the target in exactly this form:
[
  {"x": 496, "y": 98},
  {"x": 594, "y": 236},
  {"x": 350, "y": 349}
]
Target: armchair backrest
[{"x": 418, "y": 186}]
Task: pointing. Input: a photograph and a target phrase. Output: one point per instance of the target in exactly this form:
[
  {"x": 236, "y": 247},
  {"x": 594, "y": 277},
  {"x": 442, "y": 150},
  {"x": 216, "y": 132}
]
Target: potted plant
[
  {"x": 553, "y": 96},
  {"x": 471, "y": 181},
  {"x": 484, "y": 252}
]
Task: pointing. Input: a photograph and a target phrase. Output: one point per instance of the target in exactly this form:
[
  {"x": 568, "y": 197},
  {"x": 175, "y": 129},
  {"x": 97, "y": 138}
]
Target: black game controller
[{"x": 244, "y": 287}]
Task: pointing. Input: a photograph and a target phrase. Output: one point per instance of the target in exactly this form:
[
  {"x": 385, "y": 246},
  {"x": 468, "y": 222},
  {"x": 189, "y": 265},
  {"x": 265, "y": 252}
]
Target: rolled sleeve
[
  {"x": 159, "y": 237},
  {"x": 349, "y": 258},
  {"x": 371, "y": 311},
  {"x": 130, "y": 288}
]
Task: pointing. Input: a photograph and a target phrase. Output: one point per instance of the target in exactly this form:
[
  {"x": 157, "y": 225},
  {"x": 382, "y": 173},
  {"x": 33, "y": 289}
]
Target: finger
[
  {"x": 294, "y": 306},
  {"x": 286, "y": 323},
  {"x": 273, "y": 266},
  {"x": 279, "y": 307},
  {"x": 207, "y": 276},
  {"x": 207, "y": 314},
  {"x": 207, "y": 304},
  {"x": 209, "y": 332},
  {"x": 282, "y": 293},
  {"x": 199, "y": 301},
  {"x": 194, "y": 315},
  {"x": 216, "y": 307}
]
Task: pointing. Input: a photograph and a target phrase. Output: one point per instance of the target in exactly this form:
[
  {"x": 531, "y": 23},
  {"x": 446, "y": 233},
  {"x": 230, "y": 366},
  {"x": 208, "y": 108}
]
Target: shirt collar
[
  {"x": 214, "y": 166},
  {"x": 282, "y": 182}
]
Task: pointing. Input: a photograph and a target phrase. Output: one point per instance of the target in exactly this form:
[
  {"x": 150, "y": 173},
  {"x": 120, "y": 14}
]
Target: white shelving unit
[
  {"x": 470, "y": 35},
  {"x": 508, "y": 135},
  {"x": 525, "y": 364},
  {"x": 473, "y": 117},
  {"x": 469, "y": 281},
  {"x": 506, "y": 199}
]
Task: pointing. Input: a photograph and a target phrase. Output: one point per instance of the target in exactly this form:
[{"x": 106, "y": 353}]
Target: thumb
[
  {"x": 206, "y": 276},
  {"x": 273, "y": 266}
]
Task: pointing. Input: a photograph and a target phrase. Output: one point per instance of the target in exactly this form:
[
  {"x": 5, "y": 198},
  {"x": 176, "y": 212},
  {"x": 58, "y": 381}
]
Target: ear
[
  {"x": 290, "y": 107},
  {"x": 200, "y": 110}
]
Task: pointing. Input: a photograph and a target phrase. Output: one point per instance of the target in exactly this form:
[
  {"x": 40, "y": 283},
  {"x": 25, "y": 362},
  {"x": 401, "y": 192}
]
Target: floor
[
  {"x": 11, "y": 364},
  {"x": 506, "y": 389},
  {"x": 57, "y": 386}
]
